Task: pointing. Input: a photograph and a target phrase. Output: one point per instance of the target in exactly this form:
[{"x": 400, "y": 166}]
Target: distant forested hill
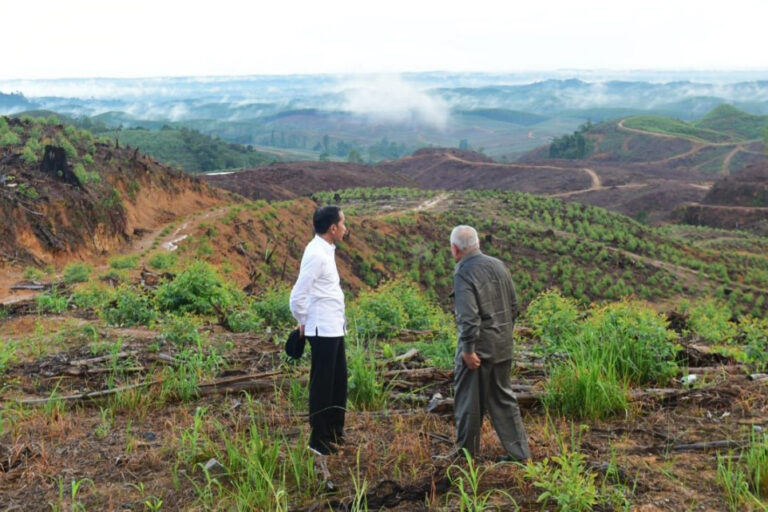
[{"x": 190, "y": 149}]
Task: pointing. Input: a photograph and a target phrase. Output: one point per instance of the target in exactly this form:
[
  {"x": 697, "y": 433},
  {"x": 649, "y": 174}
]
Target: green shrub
[
  {"x": 33, "y": 273},
  {"x": 129, "y": 307},
  {"x": 124, "y": 262},
  {"x": 392, "y": 307},
  {"x": 198, "y": 289},
  {"x": 377, "y": 315},
  {"x": 162, "y": 260},
  {"x": 86, "y": 176},
  {"x": 553, "y": 319},
  {"x": 7, "y": 354},
  {"x": 52, "y": 302},
  {"x": 273, "y": 307},
  {"x": 28, "y": 155},
  {"x": 9, "y": 139},
  {"x": 755, "y": 331},
  {"x": 28, "y": 191},
  {"x": 245, "y": 320},
  {"x": 76, "y": 273},
  {"x": 710, "y": 320},
  {"x": 566, "y": 481},
  {"x": 181, "y": 329},
  {"x": 92, "y": 296}
]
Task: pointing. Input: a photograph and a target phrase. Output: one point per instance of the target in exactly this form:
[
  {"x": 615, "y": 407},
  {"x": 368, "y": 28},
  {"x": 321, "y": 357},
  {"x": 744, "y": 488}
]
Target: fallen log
[
  {"x": 110, "y": 357},
  {"x": 88, "y": 395},
  {"x": 30, "y": 286},
  {"x": 532, "y": 398},
  {"x": 729, "y": 369},
  {"x": 723, "y": 444},
  {"x": 407, "y": 356}
]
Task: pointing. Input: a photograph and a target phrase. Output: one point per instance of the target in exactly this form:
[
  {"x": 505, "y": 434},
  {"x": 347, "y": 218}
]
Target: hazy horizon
[{"x": 90, "y": 38}]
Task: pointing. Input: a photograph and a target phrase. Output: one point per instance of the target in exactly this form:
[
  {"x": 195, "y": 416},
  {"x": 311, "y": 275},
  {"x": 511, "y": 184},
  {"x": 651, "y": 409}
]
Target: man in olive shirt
[{"x": 486, "y": 308}]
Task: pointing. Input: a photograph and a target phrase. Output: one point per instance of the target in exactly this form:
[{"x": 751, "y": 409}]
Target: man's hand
[
  {"x": 301, "y": 330},
  {"x": 471, "y": 360}
]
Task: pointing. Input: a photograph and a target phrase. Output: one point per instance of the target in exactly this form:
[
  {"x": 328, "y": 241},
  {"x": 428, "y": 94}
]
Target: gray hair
[{"x": 465, "y": 237}]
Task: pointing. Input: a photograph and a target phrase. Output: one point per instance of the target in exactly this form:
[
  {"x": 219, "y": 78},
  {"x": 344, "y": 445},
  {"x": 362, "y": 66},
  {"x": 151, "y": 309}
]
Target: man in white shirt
[{"x": 317, "y": 303}]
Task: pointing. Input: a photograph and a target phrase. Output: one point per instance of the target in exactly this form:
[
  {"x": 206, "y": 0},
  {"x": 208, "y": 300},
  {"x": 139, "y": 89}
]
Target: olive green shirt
[{"x": 486, "y": 307}]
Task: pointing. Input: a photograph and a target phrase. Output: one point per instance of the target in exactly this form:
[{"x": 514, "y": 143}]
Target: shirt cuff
[{"x": 468, "y": 348}]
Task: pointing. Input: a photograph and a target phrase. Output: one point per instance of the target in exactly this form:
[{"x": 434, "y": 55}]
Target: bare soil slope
[
  {"x": 295, "y": 179},
  {"x": 735, "y": 202}
]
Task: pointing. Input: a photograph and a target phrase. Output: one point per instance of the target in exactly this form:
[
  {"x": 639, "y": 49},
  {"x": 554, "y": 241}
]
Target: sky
[{"x": 161, "y": 38}]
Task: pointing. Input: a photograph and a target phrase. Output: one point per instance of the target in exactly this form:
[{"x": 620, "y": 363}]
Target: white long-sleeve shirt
[{"x": 317, "y": 301}]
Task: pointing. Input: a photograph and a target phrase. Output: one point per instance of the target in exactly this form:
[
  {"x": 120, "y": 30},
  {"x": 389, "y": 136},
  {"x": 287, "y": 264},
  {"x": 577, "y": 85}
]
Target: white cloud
[{"x": 389, "y": 98}]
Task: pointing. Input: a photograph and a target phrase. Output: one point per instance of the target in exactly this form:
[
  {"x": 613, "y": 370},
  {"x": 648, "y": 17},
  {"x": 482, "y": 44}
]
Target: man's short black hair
[{"x": 325, "y": 217}]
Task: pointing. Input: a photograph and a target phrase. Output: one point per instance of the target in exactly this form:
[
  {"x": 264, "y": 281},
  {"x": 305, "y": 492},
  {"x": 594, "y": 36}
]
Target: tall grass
[
  {"x": 365, "y": 390},
  {"x": 744, "y": 478},
  {"x": 618, "y": 346}
]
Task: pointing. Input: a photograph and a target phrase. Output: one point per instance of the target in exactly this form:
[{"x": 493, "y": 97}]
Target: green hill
[
  {"x": 734, "y": 122},
  {"x": 669, "y": 126},
  {"x": 505, "y": 115},
  {"x": 192, "y": 150}
]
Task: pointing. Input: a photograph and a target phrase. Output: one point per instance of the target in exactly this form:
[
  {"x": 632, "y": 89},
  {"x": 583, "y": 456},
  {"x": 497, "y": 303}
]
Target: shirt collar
[
  {"x": 329, "y": 248},
  {"x": 471, "y": 254}
]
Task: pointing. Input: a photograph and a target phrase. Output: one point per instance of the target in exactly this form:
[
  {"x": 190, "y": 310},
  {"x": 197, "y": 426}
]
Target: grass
[{"x": 467, "y": 483}]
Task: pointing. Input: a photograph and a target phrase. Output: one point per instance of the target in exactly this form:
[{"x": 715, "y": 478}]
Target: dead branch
[
  {"x": 723, "y": 444},
  {"x": 88, "y": 395},
  {"x": 110, "y": 357}
]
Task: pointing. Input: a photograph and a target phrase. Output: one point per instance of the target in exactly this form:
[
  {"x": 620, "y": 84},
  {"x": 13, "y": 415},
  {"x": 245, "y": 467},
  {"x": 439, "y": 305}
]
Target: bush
[
  {"x": 377, "y": 315},
  {"x": 198, "y": 289},
  {"x": 76, "y": 273},
  {"x": 9, "y": 139},
  {"x": 33, "y": 273},
  {"x": 273, "y": 307},
  {"x": 395, "y": 306},
  {"x": 124, "y": 262},
  {"x": 245, "y": 320},
  {"x": 129, "y": 307},
  {"x": 181, "y": 329},
  {"x": 92, "y": 296},
  {"x": 568, "y": 482},
  {"x": 755, "y": 331},
  {"x": 162, "y": 260},
  {"x": 710, "y": 320},
  {"x": 28, "y": 191},
  {"x": 553, "y": 319},
  {"x": 52, "y": 302}
]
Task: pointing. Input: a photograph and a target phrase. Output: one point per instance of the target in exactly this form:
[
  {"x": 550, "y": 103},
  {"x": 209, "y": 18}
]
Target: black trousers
[{"x": 327, "y": 392}]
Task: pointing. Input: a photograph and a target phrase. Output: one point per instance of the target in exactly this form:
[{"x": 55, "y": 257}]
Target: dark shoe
[{"x": 509, "y": 458}]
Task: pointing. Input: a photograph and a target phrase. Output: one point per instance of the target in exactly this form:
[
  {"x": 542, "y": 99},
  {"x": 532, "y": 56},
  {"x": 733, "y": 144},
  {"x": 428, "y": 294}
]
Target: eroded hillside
[{"x": 65, "y": 195}]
